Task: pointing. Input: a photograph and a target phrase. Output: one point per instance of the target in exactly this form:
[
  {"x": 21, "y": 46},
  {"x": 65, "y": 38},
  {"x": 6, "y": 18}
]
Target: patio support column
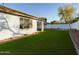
[{"x": 42, "y": 26}]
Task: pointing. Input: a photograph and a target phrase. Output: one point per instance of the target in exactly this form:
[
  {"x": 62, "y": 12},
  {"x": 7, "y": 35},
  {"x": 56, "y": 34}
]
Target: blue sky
[{"x": 48, "y": 10}]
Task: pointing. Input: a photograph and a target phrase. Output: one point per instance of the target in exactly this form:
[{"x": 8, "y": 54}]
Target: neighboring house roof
[{"x": 14, "y": 12}]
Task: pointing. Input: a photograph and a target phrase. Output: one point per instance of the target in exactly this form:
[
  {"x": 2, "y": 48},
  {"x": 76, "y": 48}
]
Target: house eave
[{"x": 7, "y": 10}]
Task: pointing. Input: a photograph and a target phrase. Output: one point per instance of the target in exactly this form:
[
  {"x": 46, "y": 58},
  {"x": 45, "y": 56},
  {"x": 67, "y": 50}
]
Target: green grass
[{"x": 49, "y": 42}]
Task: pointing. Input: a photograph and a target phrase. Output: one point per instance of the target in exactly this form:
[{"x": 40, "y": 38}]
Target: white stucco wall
[
  {"x": 30, "y": 30},
  {"x": 12, "y": 25},
  {"x": 14, "y": 22},
  {"x": 11, "y": 28}
]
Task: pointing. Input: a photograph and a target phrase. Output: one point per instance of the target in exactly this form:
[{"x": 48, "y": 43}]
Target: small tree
[{"x": 66, "y": 13}]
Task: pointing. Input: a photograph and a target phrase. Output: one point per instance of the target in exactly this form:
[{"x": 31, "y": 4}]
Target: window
[{"x": 25, "y": 23}]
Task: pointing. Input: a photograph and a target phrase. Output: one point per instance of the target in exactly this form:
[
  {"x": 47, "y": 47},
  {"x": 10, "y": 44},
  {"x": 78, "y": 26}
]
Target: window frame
[{"x": 28, "y": 21}]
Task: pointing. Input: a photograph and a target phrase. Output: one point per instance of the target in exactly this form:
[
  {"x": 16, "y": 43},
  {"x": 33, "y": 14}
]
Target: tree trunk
[{"x": 70, "y": 26}]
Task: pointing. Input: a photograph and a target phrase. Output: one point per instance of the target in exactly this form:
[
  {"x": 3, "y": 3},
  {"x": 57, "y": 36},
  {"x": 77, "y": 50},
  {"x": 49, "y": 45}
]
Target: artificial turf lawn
[{"x": 54, "y": 42}]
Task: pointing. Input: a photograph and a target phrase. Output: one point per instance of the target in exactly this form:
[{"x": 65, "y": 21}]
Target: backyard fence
[{"x": 63, "y": 26}]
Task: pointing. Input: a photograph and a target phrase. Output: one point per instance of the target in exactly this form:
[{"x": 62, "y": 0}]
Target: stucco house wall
[
  {"x": 9, "y": 25},
  {"x": 13, "y": 22},
  {"x": 13, "y": 26}
]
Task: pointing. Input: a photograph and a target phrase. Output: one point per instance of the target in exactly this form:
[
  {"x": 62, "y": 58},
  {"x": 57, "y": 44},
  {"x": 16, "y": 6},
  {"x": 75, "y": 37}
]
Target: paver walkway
[{"x": 75, "y": 38}]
